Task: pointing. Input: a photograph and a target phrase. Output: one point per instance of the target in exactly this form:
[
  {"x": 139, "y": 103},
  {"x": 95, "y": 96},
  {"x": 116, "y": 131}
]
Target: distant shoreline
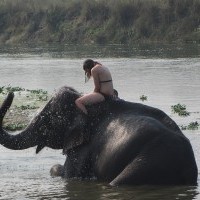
[{"x": 99, "y": 22}]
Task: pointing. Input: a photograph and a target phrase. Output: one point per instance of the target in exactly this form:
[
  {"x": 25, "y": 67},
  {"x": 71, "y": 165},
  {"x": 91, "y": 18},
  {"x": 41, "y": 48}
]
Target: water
[{"x": 166, "y": 76}]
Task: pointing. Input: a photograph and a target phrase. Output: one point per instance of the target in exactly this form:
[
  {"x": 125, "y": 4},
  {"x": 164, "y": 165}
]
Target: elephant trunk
[{"x": 23, "y": 140}]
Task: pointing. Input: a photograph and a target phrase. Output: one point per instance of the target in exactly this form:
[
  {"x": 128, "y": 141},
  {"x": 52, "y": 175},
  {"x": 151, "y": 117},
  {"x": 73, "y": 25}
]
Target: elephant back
[{"x": 139, "y": 109}]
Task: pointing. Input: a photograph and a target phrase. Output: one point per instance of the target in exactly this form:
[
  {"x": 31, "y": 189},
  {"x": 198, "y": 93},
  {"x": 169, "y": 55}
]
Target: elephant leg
[
  {"x": 148, "y": 171},
  {"x": 77, "y": 163},
  {"x": 160, "y": 163},
  {"x": 132, "y": 174}
]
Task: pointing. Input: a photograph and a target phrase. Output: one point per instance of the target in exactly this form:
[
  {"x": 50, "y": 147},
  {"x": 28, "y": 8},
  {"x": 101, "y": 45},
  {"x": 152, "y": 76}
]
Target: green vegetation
[
  {"x": 99, "y": 21},
  {"x": 180, "y": 110},
  {"x": 41, "y": 95},
  {"x": 15, "y": 126},
  {"x": 39, "y": 91},
  {"x": 143, "y": 98},
  {"x": 25, "y": 105},
  {"x": 6, "y": 89},
  {"x": 192, "y": 126}
]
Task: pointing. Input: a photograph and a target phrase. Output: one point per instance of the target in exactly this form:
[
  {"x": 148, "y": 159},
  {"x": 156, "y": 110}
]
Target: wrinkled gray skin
[{"x": 118, "y": 142}]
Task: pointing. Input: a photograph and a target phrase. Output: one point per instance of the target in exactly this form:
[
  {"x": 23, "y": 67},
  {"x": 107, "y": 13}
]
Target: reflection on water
[
  {"x": 166, "y": 74},
  {"x": 46, "y": 188},
  {"x": 105, "y": 192},
  {"x": 104, "y": 51}
]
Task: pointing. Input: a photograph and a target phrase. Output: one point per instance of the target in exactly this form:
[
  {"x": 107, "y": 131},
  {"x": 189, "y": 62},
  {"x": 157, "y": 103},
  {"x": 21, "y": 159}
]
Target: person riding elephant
[
  {"x": 130, "y": 143},
  {"x": 103, "y": 84}
]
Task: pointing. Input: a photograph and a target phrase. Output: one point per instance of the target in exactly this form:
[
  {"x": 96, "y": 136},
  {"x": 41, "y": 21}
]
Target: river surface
[{"x": 166, "y": 75}]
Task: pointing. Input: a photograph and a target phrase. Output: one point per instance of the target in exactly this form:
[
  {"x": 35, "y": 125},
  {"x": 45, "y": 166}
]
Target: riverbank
[{"x": 99, "y": 22}]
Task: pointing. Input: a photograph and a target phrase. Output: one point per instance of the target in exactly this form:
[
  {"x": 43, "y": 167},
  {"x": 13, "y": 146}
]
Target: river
[{"x": 167, "y": 75}]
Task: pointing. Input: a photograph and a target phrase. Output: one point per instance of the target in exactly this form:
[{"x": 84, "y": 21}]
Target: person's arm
[{"x": 95, "y": 76}]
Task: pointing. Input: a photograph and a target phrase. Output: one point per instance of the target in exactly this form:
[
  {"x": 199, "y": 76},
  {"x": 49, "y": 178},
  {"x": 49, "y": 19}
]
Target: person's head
[{"x": 87, "y": 67}]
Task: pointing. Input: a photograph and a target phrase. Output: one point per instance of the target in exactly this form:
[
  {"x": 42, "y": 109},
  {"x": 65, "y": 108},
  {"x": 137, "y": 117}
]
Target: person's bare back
[
  {"x": 103, "y": 84},
  {"x": 102, "y": 76}
]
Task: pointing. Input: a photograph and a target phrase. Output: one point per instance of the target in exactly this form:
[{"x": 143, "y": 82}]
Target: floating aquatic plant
[
  {"x": 14, "y": 126},
  {"x": 143, "y": 98},
  {"x": 26, "y": 107},
  {"x": 193, "y": 126},
  {"x": 180, "y": 110},
  {"x": 2, "y": 90},
  {"x": 14, "y": 89},
  {"x": 9, "y": 88},
  {"x": 20, "y": 115},
  {"x": 41, "y": 95},
  {"x": 39, "y": 91},
  {"x": 42, "y": 98}
]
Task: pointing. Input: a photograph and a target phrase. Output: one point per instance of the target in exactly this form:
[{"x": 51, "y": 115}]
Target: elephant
[{"x": 118, "y": 142}]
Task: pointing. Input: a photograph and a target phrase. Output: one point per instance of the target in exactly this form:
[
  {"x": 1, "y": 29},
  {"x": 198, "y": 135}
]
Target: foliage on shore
[{"x": 99, "y": 21}]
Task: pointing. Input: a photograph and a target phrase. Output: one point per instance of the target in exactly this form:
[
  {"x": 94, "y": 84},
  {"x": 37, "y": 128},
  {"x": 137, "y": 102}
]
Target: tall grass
[{"x": 99, "y": 21}]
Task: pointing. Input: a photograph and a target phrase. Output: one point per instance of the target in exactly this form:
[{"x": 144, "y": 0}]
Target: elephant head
[{"x": 59, "y": 119}]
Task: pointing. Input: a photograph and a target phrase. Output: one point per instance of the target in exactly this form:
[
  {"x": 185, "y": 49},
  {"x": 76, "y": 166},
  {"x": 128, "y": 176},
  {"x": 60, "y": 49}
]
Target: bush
[{"x": 113, "y": 21}]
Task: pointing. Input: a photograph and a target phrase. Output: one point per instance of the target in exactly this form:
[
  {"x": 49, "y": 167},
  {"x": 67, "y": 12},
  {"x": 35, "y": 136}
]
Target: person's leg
[{"x": 88, "y": 99}]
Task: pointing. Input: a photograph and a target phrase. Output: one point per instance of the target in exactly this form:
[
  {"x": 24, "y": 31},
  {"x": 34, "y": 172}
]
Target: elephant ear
[{"x": 78, "y": 134}]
